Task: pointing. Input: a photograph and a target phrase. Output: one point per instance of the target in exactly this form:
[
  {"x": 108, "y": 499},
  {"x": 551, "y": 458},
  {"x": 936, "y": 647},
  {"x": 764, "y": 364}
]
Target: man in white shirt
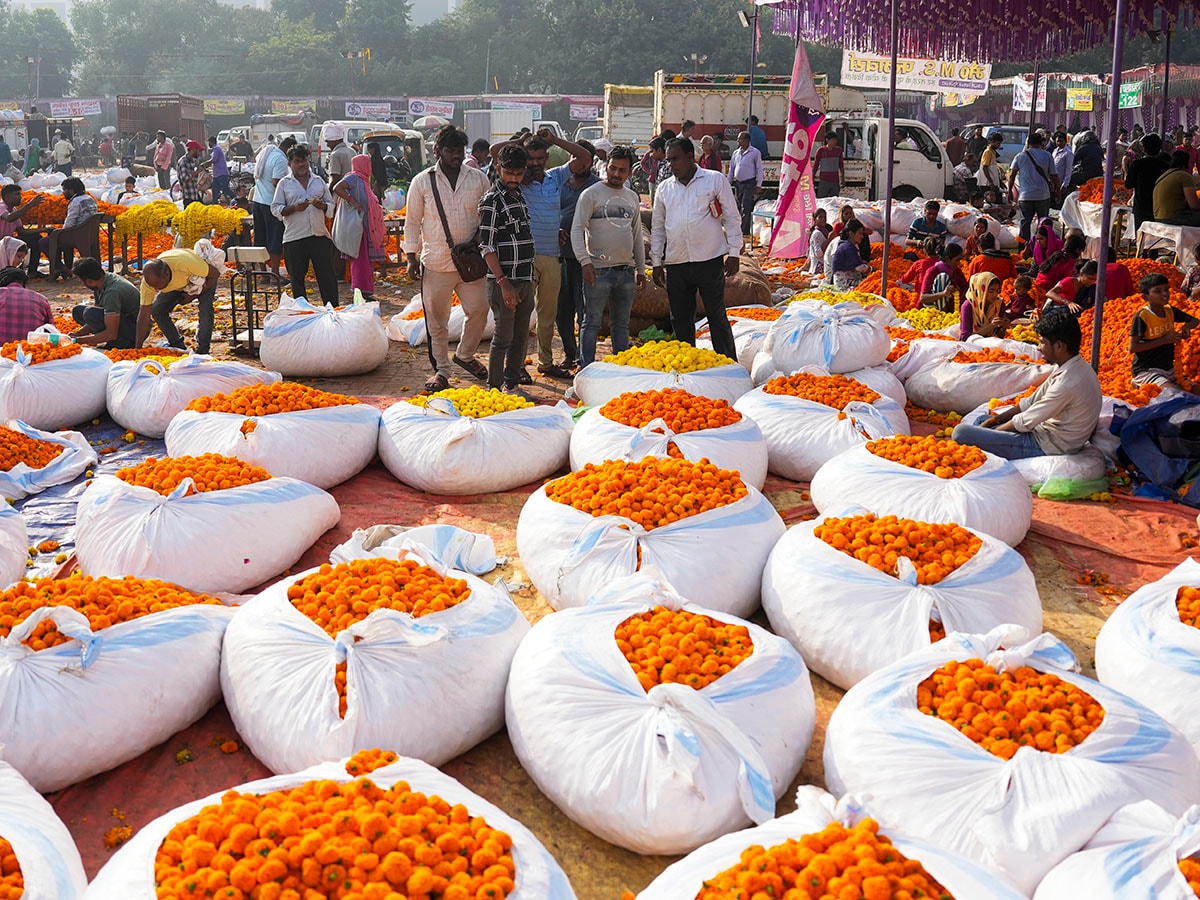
[
  {"x": 746, "y": 176},
  {"x": 302, "y": 201},
  {"x": 64, "y": 154},
  {"x": 695, "y": 243},
  {"x": 270, "y": 165},
  {"x": 1064, "y": 160},
  {"x": 460, "y": 188}
]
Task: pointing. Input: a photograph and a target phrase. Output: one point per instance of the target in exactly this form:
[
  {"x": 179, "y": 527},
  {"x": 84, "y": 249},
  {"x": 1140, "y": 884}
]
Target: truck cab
[{"x": 921, "y": 167}]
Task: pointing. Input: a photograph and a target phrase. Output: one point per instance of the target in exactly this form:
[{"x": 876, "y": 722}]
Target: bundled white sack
[
  {"x": 1135, "y": 854},
  {"x": 665, "y": 769},
  {"x": 14, "y": 545},
  {"x": 738, "y": 445},
  {"x": 323, "y": 341},
  {"x": 802, "y": 435},
  {"x": 1147, "y": 651},
  {"x": 88, "y": 704},
  {"x": 714, "y": 558},
  {"x": 144, "y": 395},
  {"x": 323, "y": 446},
  {"x": 74, "y": 456},
  {"x": 1008, "y": 345},
  {"x": 408, "y": 325},
  {"x": 1020, "y": 816},
  {"x": 992, "y": 498},
  {"x": 448, "y": 545},
  {"x": 129, "y": 874},
  {"x": 228, "y": 540},
  {"x": 840, "y": 338},
  {"x": 815, "y": 811},
  {"x": 116, "y": 175},
  {"x": 878, "y": 378},
  {"x": 921, "y": 353},
  {"x": 724, "y": 379},
  {"x": 960, "y": 387},
  {"x": 430, "y": 686},
  {"x": 848, "y": 619},
  {"x": 57, "y": 393},
  {"x": 45, "y": 851},
  {"x": 749, "y": 335},
  {"x": 875, "y": 306},
  {"x": 435, "y": 448}
]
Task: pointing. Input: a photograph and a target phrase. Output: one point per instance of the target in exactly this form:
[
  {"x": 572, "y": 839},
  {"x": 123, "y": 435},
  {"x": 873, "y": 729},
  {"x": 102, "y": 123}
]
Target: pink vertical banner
[{"x": 797, "y": 199}]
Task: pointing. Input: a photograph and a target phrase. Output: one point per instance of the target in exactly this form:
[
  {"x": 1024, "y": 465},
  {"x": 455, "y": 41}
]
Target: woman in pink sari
[{"x": 355, "y": 189}]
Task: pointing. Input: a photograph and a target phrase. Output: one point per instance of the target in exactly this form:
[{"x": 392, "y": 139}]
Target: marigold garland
[
  {"x": 935, "y": 550},
  {"x": 682, "y": 411},
  {"x": 17, "y": 448},
  {"x": 669, "y": 356},
  {"x": 665, "y": 646},
  {"x": 943, "y": 458},
  {"x": 268, "y": 399},
  {"x": 1004, "y": 711},
  {"x": 475, "y": 402},
  {"x": 197, "y": 219},
  {"x": 209, "y": 472},
  {"x": 40, "y": 353},
  {"x": 147, "y": 219}
]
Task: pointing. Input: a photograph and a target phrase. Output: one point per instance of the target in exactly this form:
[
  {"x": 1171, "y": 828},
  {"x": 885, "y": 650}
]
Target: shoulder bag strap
[
  {"x": 1040, "y": 170},
  {"x": 437, "y": 198}
]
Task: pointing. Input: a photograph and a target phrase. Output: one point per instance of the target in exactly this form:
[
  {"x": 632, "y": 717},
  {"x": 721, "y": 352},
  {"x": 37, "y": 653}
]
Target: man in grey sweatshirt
[{"x": 607, "y": 239}]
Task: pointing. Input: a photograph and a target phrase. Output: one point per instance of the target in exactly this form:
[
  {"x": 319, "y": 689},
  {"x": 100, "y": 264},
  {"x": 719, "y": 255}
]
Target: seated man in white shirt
[{"x": 1062, "y": 413}]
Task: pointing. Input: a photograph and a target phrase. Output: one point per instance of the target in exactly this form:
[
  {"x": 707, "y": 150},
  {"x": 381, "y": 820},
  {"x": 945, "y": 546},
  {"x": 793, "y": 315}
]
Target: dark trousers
[
  {"x": 166, "y": 302},
  {"x": 318, "y": 251},
  {"x": 164, "y": 178},
  {"x": 683, "y": 281},
  {"x": 93, "y": 318},
  {"x": 1032, "y": 211},
  {"x": 744, "y": 192},
  {"x": 506, "y": 359},
  {"x": 220, "y": 185},
  {"x": 570, "y": 306}
]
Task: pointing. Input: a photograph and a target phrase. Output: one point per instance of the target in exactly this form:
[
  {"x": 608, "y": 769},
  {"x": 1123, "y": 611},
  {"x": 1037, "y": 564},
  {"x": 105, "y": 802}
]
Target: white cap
[
  {"x": 334, "y": 132},
  {"x": 603, "y": 144}
]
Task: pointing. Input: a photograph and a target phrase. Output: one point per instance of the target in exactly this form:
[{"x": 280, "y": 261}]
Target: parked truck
[
  {"x": 628, "y": 114},
  {"x": 496, "y": 125},
  {"x": 280, "y": 124},
  {"x": 176, "y": 114}
]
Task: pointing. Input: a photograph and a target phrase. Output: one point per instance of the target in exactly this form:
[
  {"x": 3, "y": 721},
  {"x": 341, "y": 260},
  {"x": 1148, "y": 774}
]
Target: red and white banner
[
  {"x": 70, "y": 109},
  {"x": 797, "y": 199}
]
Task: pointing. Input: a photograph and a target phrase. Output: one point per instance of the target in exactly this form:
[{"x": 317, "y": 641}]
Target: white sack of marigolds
[
  {"x": 40, "y": 459},
  {"x": 657, "y": 365},
  {"x": 1141, "y": 851},
  {"x": 99, "y": 670},
  {"x": 38, "y": 858},
  {"x": 788, "y": 853},
  {"x": 808, "y": 419},
  {"x": 300, "y": 339},
  {"x": 970, "y": 378},
  {"x": 929, "y": 480},
  {"x": 14, "y": 545},
  {"x": 52, "y": 386},
  {"x": 858, "y": 592},
  {"x": 840, "y": 338},
  {"x": 209, "y": 523},
  {"x": 473, "y": 440},
  {"x": 671, "y": 422},
  {"x": 392, "y": 799},
  {"x": 704, "y": 528},
  {"x": 145, "y": 395},
  {"x": 658, "y": 758},
  {"x": 376, "y": 652},
  {"x": 287, "y": 428},
  {"x": 1027, "y": 780}
]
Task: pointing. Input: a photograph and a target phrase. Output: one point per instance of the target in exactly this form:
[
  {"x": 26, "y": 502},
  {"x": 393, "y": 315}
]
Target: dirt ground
[{"x": 598, "y": 870}]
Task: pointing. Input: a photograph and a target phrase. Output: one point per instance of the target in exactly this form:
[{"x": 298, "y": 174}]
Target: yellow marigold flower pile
[
  {"x": 669, "y": 356},
  {"x": 105, "y": 602},
  {"x": 17, "y": 448},
  {"x": 935, "y": 550},
  {"x": 760, "y": 313},
  {"x": 12, "y": 882},
  {"x": 832, "y": 297},
  {"x": 197, "y": 219},
  {"x": 1187, "y": 602},
  {"x": 830, "y": 390},
  {"x": 476, "y": 402},
  {"x": 365, "y": 762},
  {"x": 1190, "y": 867},
  {"x": 682, "y": 411},
  {"x": 144, "y": 353},
  {"x": 1026, "y": 333},
  {"x": 666, "y": 646},
  {"x": 209, "y": 472},
  {"x": 652, "y": 493},
  {"x": 988, "y": 355},
  {"x": 268, "y": 399},
  {"x": 1004, "y": 711},
  {"x": 40, "y": 353},
  {"x": 324, "y": 839},
  {"x": 929, "y": 319},
  {"x": 945, "y": 459},
  {"x": 832, "y": 864}
]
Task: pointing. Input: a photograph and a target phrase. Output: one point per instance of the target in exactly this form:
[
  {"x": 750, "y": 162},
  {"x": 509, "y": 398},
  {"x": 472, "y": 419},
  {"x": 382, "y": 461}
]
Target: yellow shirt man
[{"x": 184, "y": 264}]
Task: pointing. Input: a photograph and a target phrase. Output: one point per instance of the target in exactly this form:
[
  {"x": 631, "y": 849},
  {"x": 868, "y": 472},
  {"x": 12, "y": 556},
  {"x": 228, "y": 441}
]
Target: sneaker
[
  {"x": 524, "y": 378},
  {"x": 516, "y": 392},
  {"x": 555, "y": 371}
]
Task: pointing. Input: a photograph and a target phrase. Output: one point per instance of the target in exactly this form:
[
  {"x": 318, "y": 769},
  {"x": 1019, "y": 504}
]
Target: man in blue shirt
[
  {"x": 927, "y": 226},
  {"x": 1033, "y": 170},
  {"x": 270, "y": 167},
  {"x": 220, "y": 171},
  {"x": 758, "y": 137}
]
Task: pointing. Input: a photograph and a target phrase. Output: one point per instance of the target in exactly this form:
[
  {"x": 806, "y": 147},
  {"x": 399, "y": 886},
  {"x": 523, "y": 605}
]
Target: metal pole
[
  {"x": 1166, "y": 82},
  {"x": 1110, "y": 158},
  {"x": 891, "y": 148},
  {"x": 753, "y": 65},
  {"x": 1037, "y": 73},
  {"x": 487, "y": 67}
]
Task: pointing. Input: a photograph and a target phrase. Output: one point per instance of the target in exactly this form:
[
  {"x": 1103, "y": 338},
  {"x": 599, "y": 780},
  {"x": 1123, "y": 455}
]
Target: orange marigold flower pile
[
  {"x": 681, "y": 410},
  {"x": 988, "y": 355},
  {"x": 1187, "y": 602},
  {"x": 323, "y": 839},
  {"x": 760, "y": 313},
  {"x": 209, "y": 472},
  {"x": 1190, "y": 867},
  {"x": 652, "y": 493},
  {"x": 268, "y": 399},
  {"x": 420, "y": 312},
  {"x": 1004, "y": 711},
  {"x": 51, "y": 211},
  {"x": 1092, "y": 191},
  {"x": 12, "y": 882},
  {"x": 666, "y": 646},
  {"x": 105, "y": 602},
  {"x": 931, "y": 416},
  {"x": 829, "y": 390},
  {"x": 937, "y": 630},
  {"x": 365, "y": 762},
  {"x": 65, "y": 323},
  {"x": 1138, "y": 268},
  {"x": 903, "y": 337},
  {"x": 943, "y": 458},
  {"x": 17, "y": 448},
  {"x": 1116, "y": 362},
  {"x": 836, "y": 862},
  {"x": 40, "y": 353},
  {"x": 935, "y": 550},
  {"x": 143, "y": 353}
]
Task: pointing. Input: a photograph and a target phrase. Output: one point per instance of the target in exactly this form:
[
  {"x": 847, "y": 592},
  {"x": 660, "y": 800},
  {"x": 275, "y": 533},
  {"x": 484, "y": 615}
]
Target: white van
[
  {"x": 921, "y": 167},
  {"x": 354, "y": 130}
]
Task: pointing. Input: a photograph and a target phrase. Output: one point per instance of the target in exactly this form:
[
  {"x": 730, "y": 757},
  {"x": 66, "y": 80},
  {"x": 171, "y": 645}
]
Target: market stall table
[{"x": 1156, "y": 235}]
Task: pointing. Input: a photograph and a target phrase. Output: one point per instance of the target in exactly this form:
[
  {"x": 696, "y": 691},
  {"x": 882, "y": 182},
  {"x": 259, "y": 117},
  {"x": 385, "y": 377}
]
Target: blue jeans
[
  {"x": 220, "y": 186},
  {"x": 1008, "y": 444},
  {"x": 613, "y": 286}
]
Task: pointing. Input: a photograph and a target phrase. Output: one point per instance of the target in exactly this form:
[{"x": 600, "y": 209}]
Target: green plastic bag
[
  {"x": 1070, "y": 489},
  {"x": 577, "y": 412},
  {"x": 653, "y": 333}
]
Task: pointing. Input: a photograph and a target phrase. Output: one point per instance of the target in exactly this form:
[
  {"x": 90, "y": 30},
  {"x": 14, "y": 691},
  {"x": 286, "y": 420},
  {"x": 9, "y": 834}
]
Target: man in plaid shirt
[
  {"x": 21, "y": 310},
  {"x": 506, "y": 240},
  {"x": 186, "y": 168}
]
